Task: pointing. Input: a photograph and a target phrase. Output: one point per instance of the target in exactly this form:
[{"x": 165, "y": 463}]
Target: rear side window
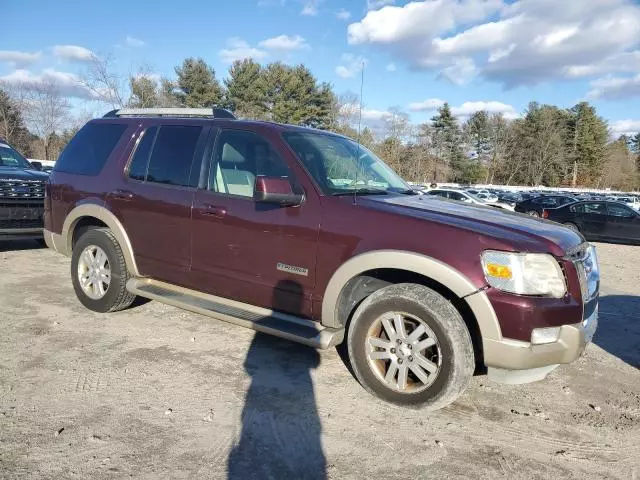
[
  {"x": 172, "y": 155},
  {"x": 88, "y": 150},
  {"x": 577, "y": 208}
]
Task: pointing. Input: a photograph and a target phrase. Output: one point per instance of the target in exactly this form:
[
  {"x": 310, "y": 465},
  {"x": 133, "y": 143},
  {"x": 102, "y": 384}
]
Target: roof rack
[{"x": 214, "y": 112}]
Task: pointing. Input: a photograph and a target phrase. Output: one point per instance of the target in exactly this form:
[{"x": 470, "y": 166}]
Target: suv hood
[
  {"x": 10, "y": 173},
  {"x": 514, "y": 231}
]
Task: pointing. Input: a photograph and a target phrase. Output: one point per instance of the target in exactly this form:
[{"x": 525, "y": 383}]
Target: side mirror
[
  {"x": 37, "y": 165},
  {"x": 276, "y": 191}
]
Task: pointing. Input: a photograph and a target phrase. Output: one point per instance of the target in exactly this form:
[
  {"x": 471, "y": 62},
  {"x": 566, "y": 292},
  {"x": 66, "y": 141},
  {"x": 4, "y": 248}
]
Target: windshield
[
  {"x": 339, "y": 166},
  {"x": 12, "y": 159}
]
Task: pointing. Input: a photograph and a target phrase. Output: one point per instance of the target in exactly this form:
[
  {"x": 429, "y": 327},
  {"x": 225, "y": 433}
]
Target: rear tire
[
  {"x": 533, "y": 213},
  {"x": 99, "y": 273},
  {"x": 572, "y": 226},
  {"x": 408, "y": 345}
]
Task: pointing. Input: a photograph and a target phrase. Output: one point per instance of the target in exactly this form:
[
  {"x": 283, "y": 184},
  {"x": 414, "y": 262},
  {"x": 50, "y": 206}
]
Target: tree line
[{"x": 547, "y": 145}]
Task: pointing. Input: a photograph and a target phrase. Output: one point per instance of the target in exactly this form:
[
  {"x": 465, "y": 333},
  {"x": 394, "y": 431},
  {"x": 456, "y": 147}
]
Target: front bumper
[{"x": 516, "y": 355}]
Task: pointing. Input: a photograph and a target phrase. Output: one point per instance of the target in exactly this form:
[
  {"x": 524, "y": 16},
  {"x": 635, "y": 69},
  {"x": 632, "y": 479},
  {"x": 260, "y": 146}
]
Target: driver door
[
  {"x": 256, "y": 253},
  {"x": 622, "y": 222}
]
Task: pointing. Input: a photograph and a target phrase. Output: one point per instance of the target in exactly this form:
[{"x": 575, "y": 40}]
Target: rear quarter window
[{"x": 88, "y": 150}]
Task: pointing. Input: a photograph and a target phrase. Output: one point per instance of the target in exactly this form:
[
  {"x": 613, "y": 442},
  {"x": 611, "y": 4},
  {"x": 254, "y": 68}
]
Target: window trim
[{"x": 127, "y": 167}]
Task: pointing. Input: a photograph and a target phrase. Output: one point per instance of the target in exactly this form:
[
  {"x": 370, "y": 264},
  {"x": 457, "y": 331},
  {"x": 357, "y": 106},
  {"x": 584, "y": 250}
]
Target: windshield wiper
[{"x": 360, "y": 191}]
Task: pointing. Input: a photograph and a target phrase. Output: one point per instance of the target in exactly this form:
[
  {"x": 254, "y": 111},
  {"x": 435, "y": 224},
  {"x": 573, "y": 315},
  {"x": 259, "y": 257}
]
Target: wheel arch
[
  {"x": 449, "y": 282},
  {"x": 86, "y": 214}
]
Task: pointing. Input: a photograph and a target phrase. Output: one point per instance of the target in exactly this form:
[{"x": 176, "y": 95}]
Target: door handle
[
  {"x": 122, "y": 194},
  {"x": 214, "y": 211}
]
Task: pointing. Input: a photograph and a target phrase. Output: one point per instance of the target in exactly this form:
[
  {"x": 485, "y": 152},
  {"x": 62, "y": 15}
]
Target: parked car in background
[
  {"x": 465, "y": 196},
  {"x": 307, "y": 235},
  {"x": 599, "y": 220},
  {"x": 21, "y": 196},
  {"x": 633, "y": 202},
  {"x": 536, "y": 205}
]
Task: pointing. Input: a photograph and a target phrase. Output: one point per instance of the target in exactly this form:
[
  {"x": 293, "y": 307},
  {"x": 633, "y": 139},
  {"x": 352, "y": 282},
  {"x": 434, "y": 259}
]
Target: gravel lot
[{"x": 155, "y": 392}]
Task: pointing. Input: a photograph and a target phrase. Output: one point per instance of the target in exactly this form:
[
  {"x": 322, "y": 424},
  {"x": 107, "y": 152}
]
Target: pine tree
[
  {"x": 294, "y": 96},
  {"x": 587, "y": 138},
  {"x": 448, "y": 141},
  {"x": 197, "y": 85},
  {"x": 246, "y": 89}
]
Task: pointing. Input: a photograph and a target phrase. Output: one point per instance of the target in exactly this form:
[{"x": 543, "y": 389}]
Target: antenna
[{"x": 355, "y": 189}]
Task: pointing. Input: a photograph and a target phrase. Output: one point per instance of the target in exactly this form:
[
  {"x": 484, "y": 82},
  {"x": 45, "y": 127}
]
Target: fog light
[{"x": 545, "y": 335}]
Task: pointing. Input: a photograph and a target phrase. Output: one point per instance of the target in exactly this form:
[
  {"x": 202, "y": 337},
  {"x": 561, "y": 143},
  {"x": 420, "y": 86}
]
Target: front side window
[
  {"x": 172, "y": 155},
  {"x": 617, "y": 210},
  {"x": 339, "y": 165},
  {"x": 238, "y": 158}
]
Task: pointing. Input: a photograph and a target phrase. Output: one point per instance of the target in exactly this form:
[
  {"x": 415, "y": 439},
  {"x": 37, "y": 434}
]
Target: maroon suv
[{"x": 309, "y": 236}]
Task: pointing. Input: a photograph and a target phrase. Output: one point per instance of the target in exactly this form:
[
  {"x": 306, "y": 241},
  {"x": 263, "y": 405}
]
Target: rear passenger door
[{"x": 155, "y": 198}]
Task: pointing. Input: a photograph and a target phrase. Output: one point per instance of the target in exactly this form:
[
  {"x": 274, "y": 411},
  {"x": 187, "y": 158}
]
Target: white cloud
[
  {"x": 134, "y": 42},
  {"x": 284, "y": 43},
  {"x": 460, "y": 72},
  {"x": 615, "y": 88},
  {"x": 513, "y": 43},
  {"x": 238, "y": 49},
  {"x": 310, "y": 8},
  {"x": 428, "y": 105},
  {"x": 376, "y": 4},
  {"x": 343, "y": 14},
  {"x": 67, "y": 83},
  {"x": 469, "y": 108},
  {"x": 625, "y": 127},
  {"x": 351, "y": 65},
  {"x": 466, "y": 109},
  {"x": 73, "y": 53},
  {"x": 391, "y": 67},
  {"x": 19, "y": 59}
]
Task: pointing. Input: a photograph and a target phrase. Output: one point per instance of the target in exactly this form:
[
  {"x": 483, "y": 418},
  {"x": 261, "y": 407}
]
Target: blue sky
[{"x": 495, "y": 54}]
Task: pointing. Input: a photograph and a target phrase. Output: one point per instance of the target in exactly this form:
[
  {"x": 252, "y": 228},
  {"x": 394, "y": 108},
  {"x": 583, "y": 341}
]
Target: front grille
[
  {"x": 21, "y": 189},
  {"x": 21, "y": 223}
]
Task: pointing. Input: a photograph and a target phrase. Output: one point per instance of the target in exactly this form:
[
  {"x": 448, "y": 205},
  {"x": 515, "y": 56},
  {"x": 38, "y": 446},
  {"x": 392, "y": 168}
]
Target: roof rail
[{"x": 214, "y": 112}]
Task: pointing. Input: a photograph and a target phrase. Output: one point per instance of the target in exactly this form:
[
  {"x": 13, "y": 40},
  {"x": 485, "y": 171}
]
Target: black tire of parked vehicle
[
  {"x": 572, "y": 226},
  {"x": 457, "y": 363},
  {"x": 117, "y": 297},
  {"x": 533, "y": 213}
]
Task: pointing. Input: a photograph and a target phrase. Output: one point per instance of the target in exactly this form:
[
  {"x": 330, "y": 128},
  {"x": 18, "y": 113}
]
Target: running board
[{"x": 259, "y": 319}]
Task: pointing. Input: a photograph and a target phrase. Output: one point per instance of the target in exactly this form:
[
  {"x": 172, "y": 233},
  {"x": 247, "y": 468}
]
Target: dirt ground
[{"x": 155, "y": 392}]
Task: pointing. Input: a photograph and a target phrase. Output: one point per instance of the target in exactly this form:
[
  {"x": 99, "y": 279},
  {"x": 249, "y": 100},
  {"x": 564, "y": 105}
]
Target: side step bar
[{"x": 259, "y": 319}]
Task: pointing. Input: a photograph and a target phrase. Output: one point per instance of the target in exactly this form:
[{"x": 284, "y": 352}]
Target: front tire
[
  {"x": 409, "y": 346},
  {"x": 99, "y": 273}
]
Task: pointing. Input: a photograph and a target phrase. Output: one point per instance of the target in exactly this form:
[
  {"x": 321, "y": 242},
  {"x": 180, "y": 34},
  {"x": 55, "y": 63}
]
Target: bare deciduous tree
[
  {"x": 104, "y": 83},
  {"x": 46, "y": 111}
]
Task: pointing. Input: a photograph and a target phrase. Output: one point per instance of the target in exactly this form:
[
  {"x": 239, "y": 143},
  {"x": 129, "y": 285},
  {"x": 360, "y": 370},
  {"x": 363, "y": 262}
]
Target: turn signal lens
[{"x": 498, "y": 271}]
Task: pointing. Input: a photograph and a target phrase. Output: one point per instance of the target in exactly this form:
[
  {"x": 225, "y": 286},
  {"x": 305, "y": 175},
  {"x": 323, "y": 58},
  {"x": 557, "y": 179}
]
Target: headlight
[{"x": 524, "y": 273}]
